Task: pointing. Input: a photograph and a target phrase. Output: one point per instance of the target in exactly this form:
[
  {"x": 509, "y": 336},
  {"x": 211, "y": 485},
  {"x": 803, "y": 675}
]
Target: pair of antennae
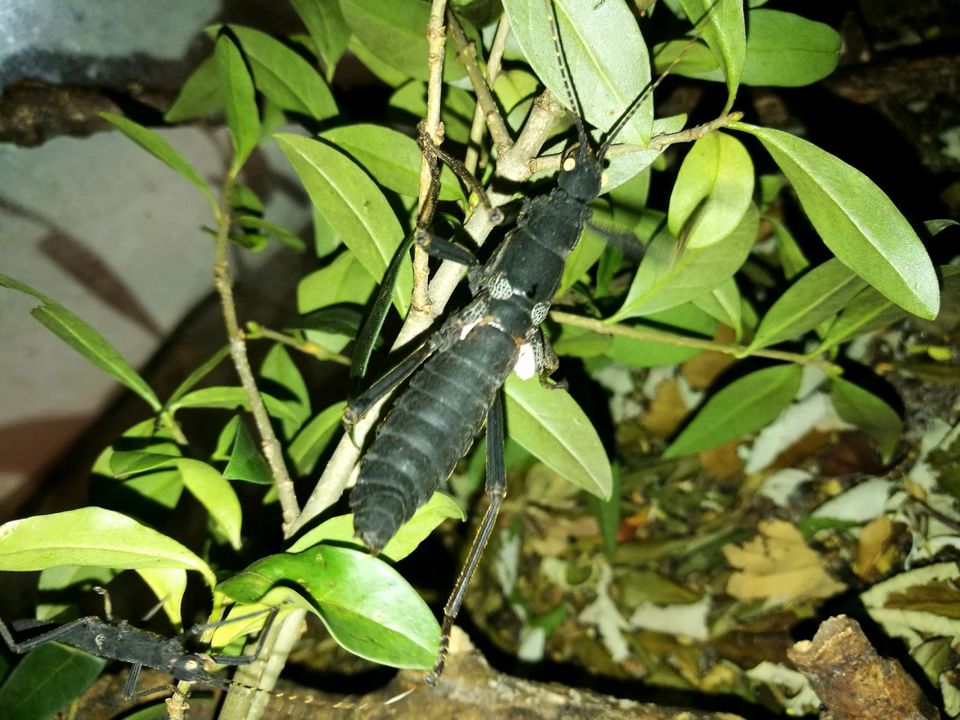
[{"x": 627, "y": 114}]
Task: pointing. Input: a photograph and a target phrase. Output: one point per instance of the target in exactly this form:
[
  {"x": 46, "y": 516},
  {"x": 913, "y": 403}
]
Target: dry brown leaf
[
  {"x": 778, "y": 564},
  {"x": 877, "y": 549},
  {"x": 722, "y": 462},
  {"x": 701, "y": 370},
  {"x": 666, "y": 412}
]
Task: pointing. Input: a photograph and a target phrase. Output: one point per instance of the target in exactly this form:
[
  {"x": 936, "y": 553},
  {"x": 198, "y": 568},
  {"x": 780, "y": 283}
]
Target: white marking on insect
[{"x": 526, "y": 366}]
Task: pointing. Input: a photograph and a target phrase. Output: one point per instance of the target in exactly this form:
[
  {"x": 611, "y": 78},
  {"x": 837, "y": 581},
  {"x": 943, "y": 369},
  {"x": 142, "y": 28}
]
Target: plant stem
[
  {"x": 602, "y": 328},
  {"x": 223, "y": 282},
  {"x": 256, "y": 330}
]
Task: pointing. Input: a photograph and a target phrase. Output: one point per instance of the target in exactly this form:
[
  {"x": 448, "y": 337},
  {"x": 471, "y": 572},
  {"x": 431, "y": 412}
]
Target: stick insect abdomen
[{"x": 431, "y": 426}]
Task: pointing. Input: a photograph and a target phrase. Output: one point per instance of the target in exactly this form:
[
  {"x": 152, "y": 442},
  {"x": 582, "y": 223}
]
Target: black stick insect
[
  {"x": 123, "y": 642},
  {"x": 456, "y": 375}
]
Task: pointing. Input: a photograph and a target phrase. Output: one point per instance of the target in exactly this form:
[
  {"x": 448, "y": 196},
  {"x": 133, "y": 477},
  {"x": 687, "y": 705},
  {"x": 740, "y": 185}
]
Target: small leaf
[
  {"x": 216, "y": 494},
  {"x": 713, "y": 190},
  {"x": 204, "y": 369},
  {"x": 608, "y": 75},
  {"x": 284, "y": 78},
  {"x": 85, "y": 340},
  {"x": 869, "y": 413},
  {"x": 125, "y": 463},
  {"x": 745, "y": 405},
  {"x": 245, "y": 461},
  {"x": 666, "y": 279},
  {"x": 47, "y": 680},
  {"x": 328, "y": 30},
  {"x": 725, "y": 33},
  {"x": 684, "y": 320},
  {"x": 240, "y": 102},
  {"x": 277, "y": 232},
  {"x": 91, "y": 536},
  {"x": 551, "y": 425},
  {"x": 857, "y": 221},
  {"x": 816, "y": 296},
  {"x": 425, "y": 520},
  {"x": 353, "y": 205},
  {"x": 343, "y": 281},
  {"x": 230, "y": 398},
  {"x": 396, "y": 34},
  {"x": 313, "y": 438},
  {"x": 365, "y": 604},
  {"x": 154, "y": 144},
  {"x": 283, "y": 380},
  {"x": 392, "y": 158},
  {"x": 199, "y": 96},
  {"x": 723, "y": 304}
]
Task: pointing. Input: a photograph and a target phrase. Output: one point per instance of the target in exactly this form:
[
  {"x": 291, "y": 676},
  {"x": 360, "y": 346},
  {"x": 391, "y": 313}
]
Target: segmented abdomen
[{"x": 431, "y": 426}]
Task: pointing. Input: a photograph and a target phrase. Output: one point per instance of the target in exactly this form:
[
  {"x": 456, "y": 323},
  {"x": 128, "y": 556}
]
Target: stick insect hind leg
[{"x": 496, "y": 486}]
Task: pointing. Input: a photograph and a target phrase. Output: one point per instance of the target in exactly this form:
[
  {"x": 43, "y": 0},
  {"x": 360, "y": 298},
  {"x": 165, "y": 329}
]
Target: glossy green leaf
[
  {"x": 551, "y": 425},
  {"x": 365, "y": 604},
  {"x": 869, "y": 413},
  {"x": 56, "y": 584},
  {"x": 684, "y": 320},
  {"x": 154, "y": 144},
  {"x": 125, "y": 463},
  {"x": 353, "y": 205},
  {"x": 244, "y": 460},
  {"x": 724, "y": 31},
  {"x": 396, "y": 34},
  {"x": 857, "y": 221},
  {"x": 283, "y": 76},
  {"x": 713, "y": 191},
  {"x": 724, "y": 303},
  {"x": 85, "y": 340},
  {"x": 745, "y": 405},
  {"x": 392, "y": 158},
  {"x": 343, "y": 281},
  {"x": 199, "y": 96},
  {"x": 792, "y": 260},
  {"x": 584, "y": 256},
  {"x": 239, "y": 100},
  {"x": 199, "y": 373},
  {"x": 168, "y": 586},
  {"x": 283, "y": 380},
  {"x": 91, "y": 536},
  {"x": 313, "y": 438},
  {"x": 216, "y": 494},
  {"x": 456, "y": 111},
  {"x": 277, "y": 232},
  {"x": 817, "y": 296},
  {"x": 425, "y": 520},
  {"x": 605, "y": 53},
  {"x": 47, "y": 680},
  {"x": 783, "y": 50},
  {"x": 328, "y": 30},
  {"x": 230, "y": 398},
  {"x": 667, "y": 279}
]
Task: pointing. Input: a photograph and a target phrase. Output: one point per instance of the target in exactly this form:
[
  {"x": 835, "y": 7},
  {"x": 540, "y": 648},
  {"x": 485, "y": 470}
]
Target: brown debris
[{"x": 852, "y": 681}]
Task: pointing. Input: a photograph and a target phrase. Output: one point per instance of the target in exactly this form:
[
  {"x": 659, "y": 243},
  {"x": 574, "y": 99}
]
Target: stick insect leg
[
  {"x": 546, "y": 361},
  {"x": 231, "y": 660},
  {"x": 495, "y": 489},
  {"x": 59, "y": 633},
  {"x": 444, "y": 249},
  {"x": 107, "y": 603}
]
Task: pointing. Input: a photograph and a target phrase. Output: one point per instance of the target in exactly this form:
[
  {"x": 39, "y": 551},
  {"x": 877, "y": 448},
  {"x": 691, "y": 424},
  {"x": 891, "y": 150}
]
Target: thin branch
[
  {"x": 739, "y": 351},
  {"x": 223, "y": 282},
  {"x": 494, "y": 58},
  {"x": 256, "y": 331}
]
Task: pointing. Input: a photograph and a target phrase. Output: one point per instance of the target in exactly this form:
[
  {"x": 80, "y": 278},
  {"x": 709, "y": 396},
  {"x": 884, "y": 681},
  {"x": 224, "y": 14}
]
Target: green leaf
[
  {"x": 168, "y": 586},
  {"x": 365, "y": 604},
  {"x": 456, "y": 111},
  {"x": 792, "y": 260},
  {"x": 869, "y": 413},
  {"x": 47, "y": 680},
  {"x": 313, "y": 438},
  {"x": 817, "y": 296},
  {"x": 199, "y": 97},
  {"x": 204, "y": 369},
  {"x": 244, "y": 460},
  {"x": 413, "y": 532},
  {"x": 277, "y": 232},
  {"x": 239, "y": 100},
  {"x": 353, "y": 205},
  {"x": 605, "y": 53},
  {"x": 745, "y": 405},
  {"x": 666, "y": 279},
  {"x": 327, "y": 28},
  {"x": 713, "y": 190},
  {"x": 216, "y": 494},
  {"x": 343, "y": 281},
  {"x": 230, "y": 398},
  {"x": 724, "y": 304},
  {"x": 396, "y": 34},
  {"x": 154, "y": 144},
  {"x": 125, "y": 463},
  {"x": 724, "y": 30},
  {"x": 550, "y": 424},
  {"x": 91, "y": 536},
  {"x": 857, "y": 221},
  {"x": 56, "y": 584},
  {"x": 392, "y": 158},
  {"x": 285, "y": 382},
  {"x": 684, "y": 320},
  {"x": 85, "y": 340},
  {"x": 284, "y": 78},
  {"x": 783, "y": 50}
]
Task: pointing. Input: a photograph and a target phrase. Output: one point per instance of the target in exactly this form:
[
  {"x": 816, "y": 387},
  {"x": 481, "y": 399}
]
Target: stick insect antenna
[{"x": 572, "y": 96}]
